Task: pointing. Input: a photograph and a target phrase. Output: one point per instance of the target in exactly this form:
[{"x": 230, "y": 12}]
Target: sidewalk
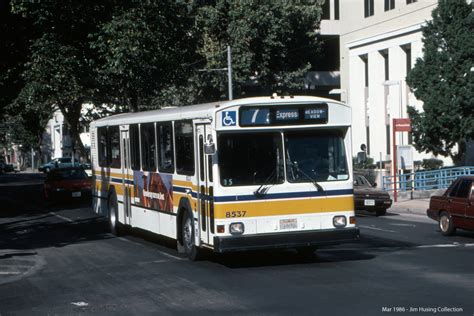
[{"x": 418, "y": 206}]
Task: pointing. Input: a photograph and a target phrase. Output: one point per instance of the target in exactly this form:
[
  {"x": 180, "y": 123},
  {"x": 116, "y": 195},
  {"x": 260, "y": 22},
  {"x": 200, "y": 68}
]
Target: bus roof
[{"x": 201, "y": 110}]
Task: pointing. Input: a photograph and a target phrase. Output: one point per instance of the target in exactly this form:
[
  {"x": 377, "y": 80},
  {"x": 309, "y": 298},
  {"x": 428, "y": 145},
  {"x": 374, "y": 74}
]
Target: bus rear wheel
[
  {"x": 112, "y": 206},
  {"x": 187, "y": 236}
]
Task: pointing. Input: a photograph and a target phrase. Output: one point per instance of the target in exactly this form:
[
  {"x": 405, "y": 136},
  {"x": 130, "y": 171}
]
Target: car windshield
[
  {"x": 257, "y": 158},
  {"x": 361, "y": 181},
  {"x": 250, "y": 158},
  {"x": 316, "y": 155},
  {"x": 68, "y": 174}
]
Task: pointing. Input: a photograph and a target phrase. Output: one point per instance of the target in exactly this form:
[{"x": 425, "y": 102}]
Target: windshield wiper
[
  {"x": 307, "y": 176},
  {"x": 263, "y": 188}
]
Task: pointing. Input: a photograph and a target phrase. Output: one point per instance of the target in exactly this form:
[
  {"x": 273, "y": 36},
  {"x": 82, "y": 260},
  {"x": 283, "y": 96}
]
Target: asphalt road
[{"x": 61, "y": 260}]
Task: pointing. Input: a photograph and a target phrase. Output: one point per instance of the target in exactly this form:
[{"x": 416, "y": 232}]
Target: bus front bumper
[{"x": 286, "y": 240}]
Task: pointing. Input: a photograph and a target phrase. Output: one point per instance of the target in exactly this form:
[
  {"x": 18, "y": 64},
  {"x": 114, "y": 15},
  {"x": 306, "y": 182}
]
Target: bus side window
[
  {"x": 102, "y": 146},
  {"x": 165, "y": 147},
  {"x": 147, "y": 132},
  {"x": 114, "y": 147},
  {"x": 184, "y": 147},
  {"x": 134, "y": 147}
]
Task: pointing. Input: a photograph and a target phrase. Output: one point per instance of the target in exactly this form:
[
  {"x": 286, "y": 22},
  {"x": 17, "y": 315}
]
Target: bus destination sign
[{"x": 316, "y": 113}]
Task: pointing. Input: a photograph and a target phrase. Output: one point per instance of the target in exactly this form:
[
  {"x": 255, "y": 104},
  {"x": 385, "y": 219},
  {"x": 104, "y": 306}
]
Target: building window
[
  {"x": 326, "y": 10},
  {"x": 367, "y": 139},
  {"x": 368, "y": 8},
  {"x": 411, "y": 1},
  {"x": 384, "y": 54},
  {"x": 165, "y": 147},
  {"x": 134, "y": 147},
  {"x": 184, "y": 148},
  {"x": 389, "y": 5},
  {"x": 336, "y": 9},
  {"x": 407, "y": 50},
  {"x": 365, "y": 60},
  {"x": 148, "y": 147},
  {"x": 387, "y": 135}
]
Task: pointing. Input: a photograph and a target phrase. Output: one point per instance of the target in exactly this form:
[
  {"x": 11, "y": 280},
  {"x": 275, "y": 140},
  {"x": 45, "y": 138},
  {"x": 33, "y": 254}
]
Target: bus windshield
[
  {"x": 257, "y": 158},
  {"x": 318, "y": 155},
  {"x": 250, "y": 158}
]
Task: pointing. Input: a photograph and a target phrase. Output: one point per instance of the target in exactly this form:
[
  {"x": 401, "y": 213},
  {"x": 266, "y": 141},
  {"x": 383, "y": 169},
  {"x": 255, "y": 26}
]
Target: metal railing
[{"x": 426, "y": 180}]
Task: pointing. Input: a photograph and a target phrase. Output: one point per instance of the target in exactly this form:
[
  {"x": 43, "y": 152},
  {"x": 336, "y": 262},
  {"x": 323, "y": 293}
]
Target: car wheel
[
  {"x": 112, "y": 206},
  {"x": 381, "y": 212},
  {"x": 446, "y": 224},
  {"x": 47, "y": 170},
  {"x": 187, "y": 231}
]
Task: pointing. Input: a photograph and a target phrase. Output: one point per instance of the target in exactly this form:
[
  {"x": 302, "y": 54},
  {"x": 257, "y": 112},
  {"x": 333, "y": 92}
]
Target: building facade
[{"x": 380, "y": 41}]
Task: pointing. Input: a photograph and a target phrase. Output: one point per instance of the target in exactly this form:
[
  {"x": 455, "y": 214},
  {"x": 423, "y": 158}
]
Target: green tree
[
  {"x": 142, "y": 50},
  {"x": 59, "y": 73},
  {"x": 272, "y": 46},
  {"x": 444, "y": 81}
]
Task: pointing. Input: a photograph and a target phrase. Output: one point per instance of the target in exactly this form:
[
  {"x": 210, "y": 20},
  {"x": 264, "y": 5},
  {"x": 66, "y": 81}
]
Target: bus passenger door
[
  {"x": 127, "y": 177},
  {"x": 205, "y": 185}
]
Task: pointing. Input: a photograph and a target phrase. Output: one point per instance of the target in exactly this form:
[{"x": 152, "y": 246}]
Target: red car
[
  {"x": 455, "y": 208},
  {"x": 70, "y": 182}
]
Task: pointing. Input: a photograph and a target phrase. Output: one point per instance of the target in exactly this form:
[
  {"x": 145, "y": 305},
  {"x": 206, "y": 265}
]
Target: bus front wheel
[{"x": 187, "y": 231}]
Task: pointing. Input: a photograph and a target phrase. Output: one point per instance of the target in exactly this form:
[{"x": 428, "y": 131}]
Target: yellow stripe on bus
[{"x": 286, "y": 207}]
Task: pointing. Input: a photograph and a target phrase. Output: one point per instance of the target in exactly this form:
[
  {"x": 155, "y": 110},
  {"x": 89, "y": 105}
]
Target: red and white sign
[{"x": 402, "y": 125}]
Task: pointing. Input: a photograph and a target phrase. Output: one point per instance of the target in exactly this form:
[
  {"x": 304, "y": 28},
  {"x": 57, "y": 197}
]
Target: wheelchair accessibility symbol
[{"x": 229, "y": 118}]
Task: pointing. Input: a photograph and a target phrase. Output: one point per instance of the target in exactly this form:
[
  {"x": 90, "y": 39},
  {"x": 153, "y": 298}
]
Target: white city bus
[{"x": 254, "y": 173}]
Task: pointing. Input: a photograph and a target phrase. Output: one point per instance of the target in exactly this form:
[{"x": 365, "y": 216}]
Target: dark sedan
[
  {"x": 369, "y": 198},
  {"x": 455, "y": 208},
  {"x": 70, "y": 183}
]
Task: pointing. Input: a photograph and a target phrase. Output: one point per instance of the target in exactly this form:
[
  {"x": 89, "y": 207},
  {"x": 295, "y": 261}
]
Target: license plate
[
  {"x": 369, "y": 202},
  {"x": 76, "y": 194},
  {"x": 288, "y": 223}
]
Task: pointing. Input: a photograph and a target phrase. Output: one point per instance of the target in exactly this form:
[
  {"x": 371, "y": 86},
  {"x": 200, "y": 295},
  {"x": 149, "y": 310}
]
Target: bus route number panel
[{"x": 287, "y": 115}]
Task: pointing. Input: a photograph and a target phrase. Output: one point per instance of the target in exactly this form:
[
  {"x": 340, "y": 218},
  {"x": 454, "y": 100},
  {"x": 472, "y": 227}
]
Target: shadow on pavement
[{"x": 42, "y": 232}]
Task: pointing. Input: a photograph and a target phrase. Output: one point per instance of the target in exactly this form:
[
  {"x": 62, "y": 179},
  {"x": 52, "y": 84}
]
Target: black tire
[
  {"x": 381, "y": 212},
  {"x": 187, "y": 237},
  {"x": 112, "y": 206},
  {"x": 47, "y": 170},
  {"x": 445, "y": 224}
]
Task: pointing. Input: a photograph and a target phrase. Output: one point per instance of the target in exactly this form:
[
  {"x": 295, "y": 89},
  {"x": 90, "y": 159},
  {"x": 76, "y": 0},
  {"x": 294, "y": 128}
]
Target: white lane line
[
  {"x": 62, "y": 217},
  {"x": 453, "y": 245},
  {"x": 161, "y": 252},
  {"x": 9, "y": 272},
  {"x": 171, "y": 256},
  {"x": 375, "y": 228},
  {"x": 403, "y": 225}
]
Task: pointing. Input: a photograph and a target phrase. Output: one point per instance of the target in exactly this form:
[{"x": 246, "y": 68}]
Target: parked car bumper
[{"x": 286, "y": 240}]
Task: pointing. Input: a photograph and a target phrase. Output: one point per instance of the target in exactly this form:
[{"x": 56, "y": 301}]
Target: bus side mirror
[{"x": 209, "y": 148}]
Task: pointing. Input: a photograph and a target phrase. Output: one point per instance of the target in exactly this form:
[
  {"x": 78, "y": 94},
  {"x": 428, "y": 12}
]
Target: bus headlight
[
  {"x": 236, "y": 228},
  {"x": 339, "y": 221}
]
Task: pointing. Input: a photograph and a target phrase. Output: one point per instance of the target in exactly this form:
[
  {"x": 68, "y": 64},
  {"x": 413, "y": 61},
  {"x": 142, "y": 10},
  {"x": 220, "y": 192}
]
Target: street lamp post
[{"x": 228, "y": 69}]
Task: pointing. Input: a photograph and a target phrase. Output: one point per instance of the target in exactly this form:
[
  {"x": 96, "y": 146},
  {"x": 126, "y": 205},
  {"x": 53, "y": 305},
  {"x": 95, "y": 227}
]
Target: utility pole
[{"x": 229, "y": 70}]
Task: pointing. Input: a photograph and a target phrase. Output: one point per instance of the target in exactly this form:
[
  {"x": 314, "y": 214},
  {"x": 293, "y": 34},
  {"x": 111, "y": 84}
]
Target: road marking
[
  {"x": 379, "y": 229},
  {"x": 62, "y": 217},
  {"x": 171, "y": 256},
  {"x": 9, "y": 272},
  {"x": 161, "y": 252},
  {"x": 404, "y": 225},
  {"x": 453, "y": 245}
]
